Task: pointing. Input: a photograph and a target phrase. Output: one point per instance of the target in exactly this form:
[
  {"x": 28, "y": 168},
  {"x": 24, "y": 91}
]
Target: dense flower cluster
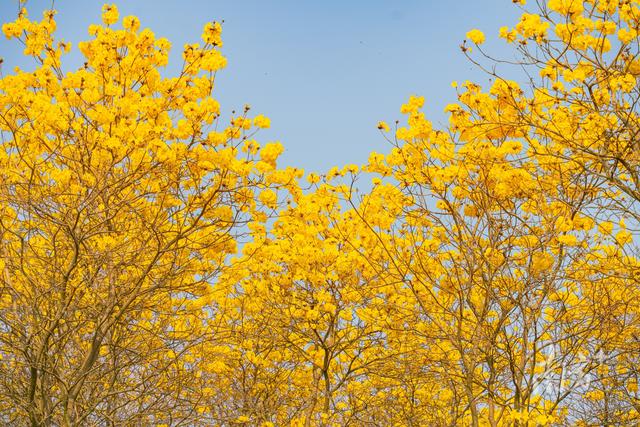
[{"x": 158, "y": 267}]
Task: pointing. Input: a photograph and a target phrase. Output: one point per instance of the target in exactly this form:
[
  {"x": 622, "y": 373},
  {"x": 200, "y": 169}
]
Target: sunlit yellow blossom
[
  {"x": 383, "y": 126},
  {"x": 476, "y": 36},
  {"x": 262, "y": 122},
  {"x": 131, "y": 23},
  {"x": 110, "y": 14}
]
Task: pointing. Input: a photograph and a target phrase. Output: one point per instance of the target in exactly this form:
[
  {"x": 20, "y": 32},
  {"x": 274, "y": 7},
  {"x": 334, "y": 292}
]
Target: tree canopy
[{"x": 157, "y": 266}]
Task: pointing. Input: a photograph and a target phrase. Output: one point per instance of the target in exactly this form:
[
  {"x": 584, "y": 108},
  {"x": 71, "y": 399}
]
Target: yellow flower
[
  {"x": 131, "y": 23},
  {"x": 212, "y": 33},
  {"x": 623, "y": 237},
  {"x": 568, "y": 239},
  {"x": 269, "y": 198},
  {"x": 313, "y": 178},
  {"x": 383, "y": 126},
  {"x": 262, "y": 122},
  {"x": 11, "y": 30},
  {"x": 442, "y": 205},
  {"x": 626, "y": 36},
  {"x": 566, "y": 7},
  {"x": 110, "y": 14},
  {"x": 414, "y": 104},
  {"x": 476, "y": 36},
  {"x": 508, "y": 35},
  {"x": 270, "y": 152},
  {"x": 470, "y": 210}
]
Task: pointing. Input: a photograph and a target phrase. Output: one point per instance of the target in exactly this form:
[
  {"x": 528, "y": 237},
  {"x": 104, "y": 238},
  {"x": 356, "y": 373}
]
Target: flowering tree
[
  {"x": 121, "y": 198},
  {"x": 157, "y": 268}
]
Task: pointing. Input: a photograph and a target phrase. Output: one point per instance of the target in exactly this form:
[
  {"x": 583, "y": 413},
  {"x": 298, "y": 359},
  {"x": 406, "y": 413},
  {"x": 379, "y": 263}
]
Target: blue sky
[{"x": 325, "y": 72}]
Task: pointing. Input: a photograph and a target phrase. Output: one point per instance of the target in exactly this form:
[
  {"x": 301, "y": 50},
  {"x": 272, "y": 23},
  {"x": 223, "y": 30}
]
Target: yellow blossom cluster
[{"x": 157, "y": 266}]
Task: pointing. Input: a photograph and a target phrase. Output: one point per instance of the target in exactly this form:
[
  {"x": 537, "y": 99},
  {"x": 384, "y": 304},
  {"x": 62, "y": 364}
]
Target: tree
[
  {"x": 500, "y": 264},
  {"x": 122, "y": 194},
  {"x": 298, "y": 308},
  {"x": 580, "y": 110}
]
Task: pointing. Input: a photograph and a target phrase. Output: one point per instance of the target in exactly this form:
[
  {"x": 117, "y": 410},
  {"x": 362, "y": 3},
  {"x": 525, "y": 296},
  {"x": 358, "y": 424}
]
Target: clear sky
[{"x": 324, "y": 71}]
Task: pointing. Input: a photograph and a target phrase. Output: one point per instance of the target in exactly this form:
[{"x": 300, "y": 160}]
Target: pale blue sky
[{"x": 324, "y": 71}]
